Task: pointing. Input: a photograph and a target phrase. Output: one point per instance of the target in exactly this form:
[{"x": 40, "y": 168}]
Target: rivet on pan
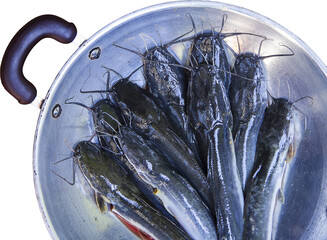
[
  {"x": 95, "y": 53},
  {"x": 56, "y": 111}
]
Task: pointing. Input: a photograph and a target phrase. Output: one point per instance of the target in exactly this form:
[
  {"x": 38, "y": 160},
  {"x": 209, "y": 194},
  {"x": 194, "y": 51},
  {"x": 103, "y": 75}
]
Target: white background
[{"x": 21, "y": 218}]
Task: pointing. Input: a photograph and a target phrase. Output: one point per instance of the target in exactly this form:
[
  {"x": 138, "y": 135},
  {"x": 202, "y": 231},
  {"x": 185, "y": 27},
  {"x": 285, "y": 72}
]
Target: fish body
[
  {"x": 108, "y": 117},
  {"x": 148, "y": 120},
  {"x": 211, "y": 115},
  {"x": 177, "y": 195},
  {"x": 248, "y": 100},
  {"x": 225, "y": 184},
  {"x": 276, "y": 146},
  {"x": 206, "y": 92},
  {"x": 112, "y": 185},
  {"x": 167, "y": 81}
]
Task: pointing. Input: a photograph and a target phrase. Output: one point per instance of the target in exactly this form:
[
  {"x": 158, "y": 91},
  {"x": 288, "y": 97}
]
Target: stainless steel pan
[{"x": 69, "y": 211}]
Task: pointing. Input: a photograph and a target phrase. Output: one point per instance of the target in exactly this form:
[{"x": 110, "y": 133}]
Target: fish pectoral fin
[
  {"x": 101, "y": 202},
  {"x": 281, "y": 196},
  {"x": 155, "y": 191},
  {"x": 290, "y": 152}
]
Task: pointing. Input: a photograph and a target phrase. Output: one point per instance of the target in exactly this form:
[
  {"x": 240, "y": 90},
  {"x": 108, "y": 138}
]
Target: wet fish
[
  {"x": 210, "y": 112},
  {"x": 108, "y": 118},
  {"x": 209, "y": 49},
  {"x": 177, "y": 195},
  {"x": 167, "y": 81},
  {"x": 148, "y": 119},
  {"x": 113, "y": 186},
  {"x": 277, "y": 144},
  {"x": 248, "y": 99}
]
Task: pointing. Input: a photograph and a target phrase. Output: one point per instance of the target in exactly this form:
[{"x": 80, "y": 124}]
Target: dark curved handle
[{"x": 44, "y": 26}]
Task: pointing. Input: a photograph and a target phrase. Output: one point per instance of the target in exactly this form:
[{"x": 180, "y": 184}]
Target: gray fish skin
[
  {"x": 248, "y": 100},
  {"x": 114, "y": 186},
  {"x": 167, "y": 81},
  {"x": 207, "y": 103},
  {"x": 210, "y": 110},
  {"x": 149, "y": 120},
  {"x": 225, "y": 184},
  {"x": 106, "y": 116},
  {"x": 181, "y": 158},
  {"x": 272, "y": 156},
  {"x": 177, "y": 195}
]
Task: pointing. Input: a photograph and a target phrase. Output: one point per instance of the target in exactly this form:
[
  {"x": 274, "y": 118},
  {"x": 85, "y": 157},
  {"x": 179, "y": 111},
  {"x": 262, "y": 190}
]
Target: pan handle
[{"x": 26, "y": 38}]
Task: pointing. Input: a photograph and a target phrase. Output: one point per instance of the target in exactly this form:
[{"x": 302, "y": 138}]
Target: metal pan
[{"x": 69, "y": 211}]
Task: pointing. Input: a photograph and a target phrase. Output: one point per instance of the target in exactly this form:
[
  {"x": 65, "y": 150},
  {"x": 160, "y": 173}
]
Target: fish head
[
  {"x": 107, "y": 116},
  {"x": 100, "y": 170},
  {"x": 249, "y": 66},
  {"x": 203, "y": 49}
]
